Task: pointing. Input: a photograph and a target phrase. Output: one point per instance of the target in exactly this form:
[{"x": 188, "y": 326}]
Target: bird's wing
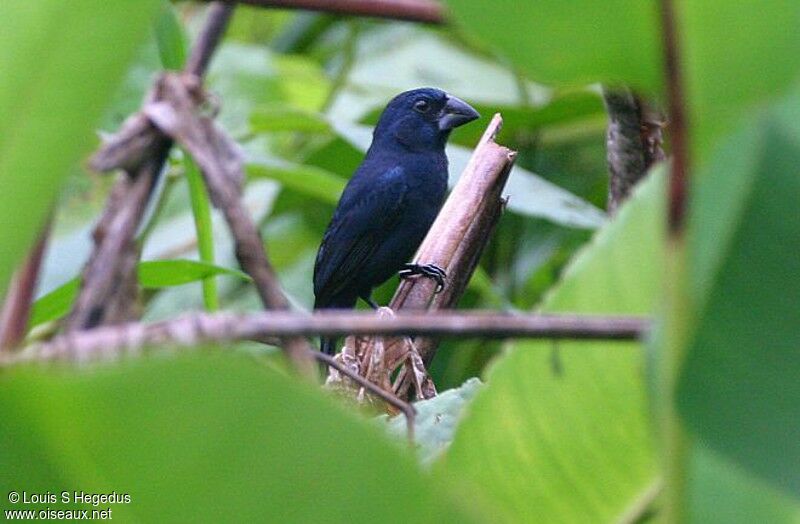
[{"x": 357, "y": 231}]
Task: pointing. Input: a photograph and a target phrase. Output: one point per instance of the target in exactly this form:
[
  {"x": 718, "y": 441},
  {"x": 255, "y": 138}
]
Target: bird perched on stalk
[{"x": 390, "y": 202}]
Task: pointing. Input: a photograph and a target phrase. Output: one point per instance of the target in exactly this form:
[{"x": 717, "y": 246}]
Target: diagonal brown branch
[
  {"x": 426, "y": 11},
  {"x": 177, "y": 114},
  {"x": 108, "y": 288},
  {"x": 16, "y": 308}
]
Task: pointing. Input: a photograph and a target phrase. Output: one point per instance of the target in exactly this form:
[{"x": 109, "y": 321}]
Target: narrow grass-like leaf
[
  {"x": 561, "y": 432},
  {"x": 272, "y": 119},
  {"x": 201, "y": 208}
]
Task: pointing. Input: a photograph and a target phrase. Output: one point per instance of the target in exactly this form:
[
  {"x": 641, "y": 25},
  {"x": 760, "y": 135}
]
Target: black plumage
[{"x": 390, "y": 202}]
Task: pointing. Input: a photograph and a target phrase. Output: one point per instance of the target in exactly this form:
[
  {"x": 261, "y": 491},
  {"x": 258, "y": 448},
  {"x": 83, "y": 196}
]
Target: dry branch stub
[
  {"x": 177, "y": 114},
  {"x": 108, "y": 287},
  {"x": 634, "y": 141},
  {"x": 454, "y": 243}
]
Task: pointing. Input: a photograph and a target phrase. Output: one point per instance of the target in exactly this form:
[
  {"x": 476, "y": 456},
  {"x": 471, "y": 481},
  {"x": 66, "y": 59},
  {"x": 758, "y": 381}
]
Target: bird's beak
[{"x": 456, "y": 113}]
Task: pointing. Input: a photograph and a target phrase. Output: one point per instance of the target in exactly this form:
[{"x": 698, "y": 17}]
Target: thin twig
[
  {"x": 676, "y": 441},
  {"x": 17, "y": 306},
  {"x": 390, "y": 398},
  {"x": 425, "y": 11},
  {"x": 198, "y": 328}
]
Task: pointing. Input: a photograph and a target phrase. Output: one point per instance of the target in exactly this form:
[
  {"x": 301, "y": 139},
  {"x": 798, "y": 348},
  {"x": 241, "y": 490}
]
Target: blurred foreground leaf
[
  {"x": 740, "y": 389},
  {"x": 60, "y": 62},
  {"x": 207, "y": 437},
  {"x": 722, "y": 493},
  {"x": 561, "y": 433}
]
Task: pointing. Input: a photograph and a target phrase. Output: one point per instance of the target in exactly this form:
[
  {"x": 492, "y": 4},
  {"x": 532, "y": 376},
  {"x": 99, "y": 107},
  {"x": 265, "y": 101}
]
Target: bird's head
[{"x": 421, "y": 119}]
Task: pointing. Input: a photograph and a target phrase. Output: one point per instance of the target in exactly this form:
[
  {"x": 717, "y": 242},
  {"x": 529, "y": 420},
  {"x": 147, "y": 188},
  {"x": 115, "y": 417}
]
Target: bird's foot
[{"x": 429, "y": 270}]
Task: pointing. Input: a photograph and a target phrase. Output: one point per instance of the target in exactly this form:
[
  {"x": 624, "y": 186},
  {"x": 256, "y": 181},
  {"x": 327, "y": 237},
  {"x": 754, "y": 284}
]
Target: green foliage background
[{"x": 559, "y": 432}]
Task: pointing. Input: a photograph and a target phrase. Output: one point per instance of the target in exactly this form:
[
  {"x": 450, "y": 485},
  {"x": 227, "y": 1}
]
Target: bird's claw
[{"x": 431, "y": 271}]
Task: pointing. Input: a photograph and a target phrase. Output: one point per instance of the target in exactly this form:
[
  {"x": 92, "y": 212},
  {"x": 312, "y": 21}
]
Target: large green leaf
[
  {"x": 729, "y": 72},
  {"x": 721, "y": 493},
  {"x": 561, "y": 432},
  {"x": 165, "y": 273},
  {"x": 206, "y": 437},
  {"x": 60, "y": 61},
  {"x": 274, "y": 118},
  {"x": 571, "y": 43},
  {"x": 740, "y": 388}
]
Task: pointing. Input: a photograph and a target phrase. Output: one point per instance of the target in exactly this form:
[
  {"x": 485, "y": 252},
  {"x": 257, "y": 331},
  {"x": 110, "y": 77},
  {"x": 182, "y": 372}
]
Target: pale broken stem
[{"x": 455, "y": 242}]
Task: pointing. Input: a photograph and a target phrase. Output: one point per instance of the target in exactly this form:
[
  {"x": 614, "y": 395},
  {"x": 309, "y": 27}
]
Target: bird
[{"x": 390, "y": 202}]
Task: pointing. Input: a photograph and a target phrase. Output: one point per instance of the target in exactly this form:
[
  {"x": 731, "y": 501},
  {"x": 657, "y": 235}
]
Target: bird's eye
[{"x": 422, "y": 105}]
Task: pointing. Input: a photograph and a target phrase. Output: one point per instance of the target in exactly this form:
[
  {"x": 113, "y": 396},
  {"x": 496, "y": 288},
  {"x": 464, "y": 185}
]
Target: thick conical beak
[{"x": 456, "y": 113}]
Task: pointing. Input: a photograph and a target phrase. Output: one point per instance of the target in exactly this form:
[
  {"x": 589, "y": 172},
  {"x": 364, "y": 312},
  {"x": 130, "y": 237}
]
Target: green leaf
[
  {"x": 54, "y": 304},
  {"x": 571, "y": 43},
  {"x": 726, "y": 72},
  {"x": 166, "y": 273},
  {"x": 61, "y": 62},
  {"x": 436, "y": 420},
  {"x": 271, "y": 119},
  {"x": 170, "y": 38},
  {"x": 721, "y": 493},
  {"x": 155, "y": 274},
  {"x": 306, "y": 179},
  {"x": 206, "y": 437},
  {"x": 561, "y": 433},
  {"x": 739, "y": 389},
  {"x": 729, "y": 72}
]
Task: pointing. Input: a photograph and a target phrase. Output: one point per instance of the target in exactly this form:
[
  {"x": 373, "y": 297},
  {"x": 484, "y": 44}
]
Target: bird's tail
[{"x": 327, "y": 345}]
